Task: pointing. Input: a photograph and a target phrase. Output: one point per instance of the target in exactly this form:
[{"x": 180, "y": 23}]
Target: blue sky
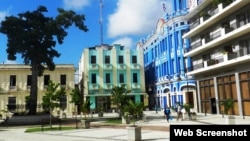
[{"x": 124, "y": 22}]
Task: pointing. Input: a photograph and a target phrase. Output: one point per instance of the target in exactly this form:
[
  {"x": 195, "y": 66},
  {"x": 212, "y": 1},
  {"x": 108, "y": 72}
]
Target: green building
[{"x": 103, "y": 67}]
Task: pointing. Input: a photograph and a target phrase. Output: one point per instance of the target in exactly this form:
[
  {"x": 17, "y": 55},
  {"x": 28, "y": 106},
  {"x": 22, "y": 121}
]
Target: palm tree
[
  {"x": 228, "y": 105},
  {"x": 119, "y": 97},
  {"x": 134, "y": 111}
]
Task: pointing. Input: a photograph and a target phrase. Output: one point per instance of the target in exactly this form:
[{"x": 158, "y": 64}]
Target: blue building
[{"x": 167, "y": 82}]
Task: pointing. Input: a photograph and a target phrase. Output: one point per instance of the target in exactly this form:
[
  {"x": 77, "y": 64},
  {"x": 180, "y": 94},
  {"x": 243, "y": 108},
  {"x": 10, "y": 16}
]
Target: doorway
[{"x": 213, "y": 105}]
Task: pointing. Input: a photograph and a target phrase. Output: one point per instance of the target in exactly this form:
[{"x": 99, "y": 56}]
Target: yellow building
[{"x": 15, "y": 82}]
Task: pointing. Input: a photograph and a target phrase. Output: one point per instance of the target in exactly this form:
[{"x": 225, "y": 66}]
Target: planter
[
  {"x": 230, "y": 120},
  {"x": 134, "y": 133},
  {"x": 85, "y": 123},
  {"x": 125, "y": 120},
  {"x": 193, "y": 116}
]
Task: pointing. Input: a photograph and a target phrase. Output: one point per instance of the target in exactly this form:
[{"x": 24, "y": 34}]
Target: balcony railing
[
  {"x": 224, "y": 57},
  {"x": 136, "y": 86},
  {"x": 94, "y": 87},
  {"x": 107, "y": 66},
  {"x": 108, "y": 86},
  {"x": 121, "y": 66},
  {"x": 93, "y": 66},
  {"x": 135, "y": 66}
]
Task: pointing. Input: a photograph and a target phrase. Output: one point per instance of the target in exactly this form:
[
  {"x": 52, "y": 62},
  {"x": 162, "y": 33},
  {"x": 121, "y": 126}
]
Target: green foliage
[
  {"x": 75, "y": 96},
  {"x": 85, "y": 108},
  {"x": 119, "y": 97},
  {"x": 134, "y": 110},
  {"x": 188, "y": 107},
  {"x": 225, "y": 2},
  {"x": 204, "y": 14},
  {"x": 228, "y": 105},
  {"x": 39, "y": 129},
  {"x": 113, "y": 121},
  {"x": 27, "y": 102},
  {"x": 52, "y": 97},
  {"x": 34, "y": 36},
  {"x": 100, "y": 108}
]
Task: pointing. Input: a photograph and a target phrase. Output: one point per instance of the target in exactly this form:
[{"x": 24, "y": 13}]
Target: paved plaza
[{"x": 154, "y": 128}]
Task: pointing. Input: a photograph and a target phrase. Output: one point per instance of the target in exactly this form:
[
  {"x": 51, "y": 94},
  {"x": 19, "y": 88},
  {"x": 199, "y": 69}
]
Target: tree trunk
[{"x": 33, "y": 90}]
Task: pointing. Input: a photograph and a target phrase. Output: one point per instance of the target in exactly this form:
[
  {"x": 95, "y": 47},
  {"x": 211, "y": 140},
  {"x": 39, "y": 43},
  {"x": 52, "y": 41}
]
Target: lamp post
[{"x": 50, "y": 112}]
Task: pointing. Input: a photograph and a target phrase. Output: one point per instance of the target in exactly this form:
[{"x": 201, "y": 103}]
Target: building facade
[
  {"x": 167, "y": 82},
  {"x": 15, "y": 83},
  {"x": 220, "y": 51},
  {"x": 103, "y": 67}
]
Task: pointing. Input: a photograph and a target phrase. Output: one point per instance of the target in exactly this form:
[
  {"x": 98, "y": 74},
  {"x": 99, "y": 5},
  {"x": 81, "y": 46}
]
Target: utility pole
[{"x": 100, "y": 22}]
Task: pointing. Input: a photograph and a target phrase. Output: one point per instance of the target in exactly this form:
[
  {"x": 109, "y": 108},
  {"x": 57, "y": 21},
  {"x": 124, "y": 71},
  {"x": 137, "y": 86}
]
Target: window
[
  {"x": 135, "y": 79},
  {"x": 29, "y": 80},
  {"x": 63, "y": 79},
  {"x": 93, "y": 59},
  {"x": 63, "y": 102},
  {"x": 134, "y": 59},
  {"x": 12, "y": 80},
  {"x": 120, "y": 59},
  {"x": 107, "y": 75},
  {"x": 12, "y": 104},
  {"x": 107, "y": 59},
  {"x": 121, "y": 78},
  {"x": 93, "y": 78},
  {"x": 46, "y": 80}
]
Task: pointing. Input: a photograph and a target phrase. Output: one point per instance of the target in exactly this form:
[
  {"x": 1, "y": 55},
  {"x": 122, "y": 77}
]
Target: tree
[
  {"x": 119, "y": 97},
  {"x": 134, "y": 110},
  {"x": 34, "y": 35},
  {"x": 52, "y": 97},
  {"x": 85, "y": 108},
  {"x": 228, "y": 105},
  {"x": 76, "y": 98}
]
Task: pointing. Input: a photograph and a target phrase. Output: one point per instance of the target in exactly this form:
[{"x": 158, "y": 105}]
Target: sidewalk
[{"x": 153, "y": 120}]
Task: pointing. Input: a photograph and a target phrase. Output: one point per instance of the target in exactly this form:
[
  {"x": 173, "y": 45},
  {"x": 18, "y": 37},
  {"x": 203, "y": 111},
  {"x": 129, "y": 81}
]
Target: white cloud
[
  {"x": 134, "y": 17},
  {"x": 3, "y": 14},
  {"x": 75, "y": 4},
  {"x": 10, "y": 62},
  {"x": 125, "y": 41}
]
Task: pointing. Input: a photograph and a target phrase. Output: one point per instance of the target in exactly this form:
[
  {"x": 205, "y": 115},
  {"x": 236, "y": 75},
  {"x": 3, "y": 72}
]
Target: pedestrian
[
  {"x": 179, "y": 113},
  {"x": 167, "y": 113}
]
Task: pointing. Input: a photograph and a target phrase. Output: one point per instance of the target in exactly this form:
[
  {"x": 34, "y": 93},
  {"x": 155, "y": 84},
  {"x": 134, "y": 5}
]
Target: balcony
[
  {"x": 240, "y": 54},
  {"x": 93, "y": 66},
  {"x": 218, "y": 38},
  {"x": 122, "y": 84},
  {"x": 107, "y": 66},
  {"x": 108, "y": 86},
  {"x": 121, "y": 66},
  {"x": 13, "y": 88},
  {"x": 136, "y": 86},
  {"x": 221, "y": 13},
  {"x": 93, "y": 86},
  {"x": 210, "y": 62},
  {"x": 135, "y": 66}
]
